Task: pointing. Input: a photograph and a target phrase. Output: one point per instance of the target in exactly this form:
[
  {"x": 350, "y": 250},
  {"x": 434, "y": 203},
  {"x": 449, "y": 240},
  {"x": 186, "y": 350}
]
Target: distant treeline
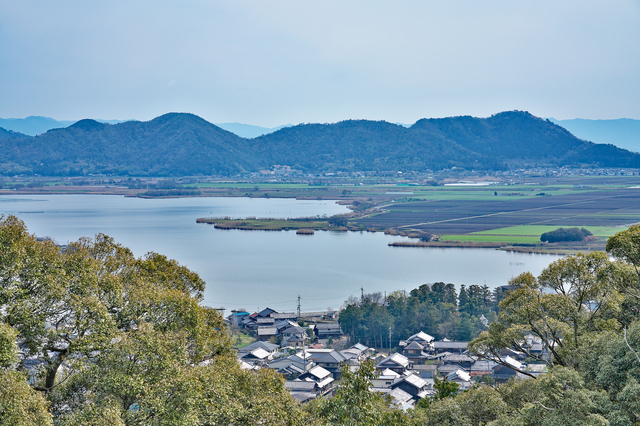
[
  {"x": 170, "y": 192},
  {"x": 436, "y": 309},
  {"x": 565, "y": 234}
]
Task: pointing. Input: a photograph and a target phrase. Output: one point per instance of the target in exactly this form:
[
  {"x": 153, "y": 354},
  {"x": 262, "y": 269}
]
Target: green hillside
[{"x": 179, "y": 144}]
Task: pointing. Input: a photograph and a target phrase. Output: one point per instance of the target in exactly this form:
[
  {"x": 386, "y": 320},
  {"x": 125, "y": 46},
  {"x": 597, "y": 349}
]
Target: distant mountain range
[
  {"x": 248, "y": 130},
  {"x": 36, "y": 125},
  {"x": 623, "y": 132},
  {"x": 179, "y": 144}
]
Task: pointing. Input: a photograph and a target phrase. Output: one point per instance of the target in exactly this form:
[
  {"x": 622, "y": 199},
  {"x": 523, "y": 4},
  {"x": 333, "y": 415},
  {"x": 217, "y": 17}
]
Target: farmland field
[
  {"x": 516, "y": 210},
  {"x": 516, "y": 213}
]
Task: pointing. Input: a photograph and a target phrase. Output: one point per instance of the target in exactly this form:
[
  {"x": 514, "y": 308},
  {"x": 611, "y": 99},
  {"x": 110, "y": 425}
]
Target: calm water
[{"x": 255, "y": 269}]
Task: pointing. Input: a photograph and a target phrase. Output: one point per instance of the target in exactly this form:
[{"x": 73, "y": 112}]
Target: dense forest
[
  {"x": 91, "y": 335},
  {"x": 436, "y": 309},
  {"x": 179, "y": 144}
]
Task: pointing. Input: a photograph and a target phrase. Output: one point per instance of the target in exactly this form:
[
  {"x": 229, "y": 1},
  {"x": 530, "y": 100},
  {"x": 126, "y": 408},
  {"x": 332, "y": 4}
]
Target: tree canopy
[
  {"x": 565, "y": 234},
  {"x": 89, "y": 334}
]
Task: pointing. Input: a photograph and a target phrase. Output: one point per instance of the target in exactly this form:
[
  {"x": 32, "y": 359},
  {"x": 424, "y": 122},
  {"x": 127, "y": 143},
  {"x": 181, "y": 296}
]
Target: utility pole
[
  {"x": 304, "y": 350},
  {"x": 298, "y": 319},
  {"x": 361, "y": 294},
  {"x": 389, "y": 341}
]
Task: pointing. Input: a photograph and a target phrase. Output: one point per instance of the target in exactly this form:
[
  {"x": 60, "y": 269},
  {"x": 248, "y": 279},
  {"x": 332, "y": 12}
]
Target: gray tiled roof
[
  {"x": 267, "y": 331},
  {"x": 414, "y": 345},
  {"x": 300, "y": 385},
  {"x": 447, "y": 368},
  {"x": 332, "y": 357},
  {"x": 450, "y": 345},
  {"x": 457, "y": 358},
  {"x": 270, "y": 347}
]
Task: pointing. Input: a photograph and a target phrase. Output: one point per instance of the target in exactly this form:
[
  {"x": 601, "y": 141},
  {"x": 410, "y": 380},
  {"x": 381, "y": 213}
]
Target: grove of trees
[
  {"x": 565, "y": 234},
  {"x": 436, "y": 309}
]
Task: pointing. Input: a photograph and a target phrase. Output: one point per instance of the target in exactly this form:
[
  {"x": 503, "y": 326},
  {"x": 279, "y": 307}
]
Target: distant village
[{"x": 310, "y": 351}]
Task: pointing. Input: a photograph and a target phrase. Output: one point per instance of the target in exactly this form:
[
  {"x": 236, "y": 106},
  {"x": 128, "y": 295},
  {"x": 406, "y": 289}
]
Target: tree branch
[
  {"x": 546, "y": 408},
  {"x": 628, "y": 345}
]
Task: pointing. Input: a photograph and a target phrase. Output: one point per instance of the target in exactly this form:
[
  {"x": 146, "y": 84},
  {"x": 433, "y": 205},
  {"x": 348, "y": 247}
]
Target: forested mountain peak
[
  {"x": 177, "y": 144},
  {"x": 5, "y": 134},
  {"x": 87, "y": 124}
]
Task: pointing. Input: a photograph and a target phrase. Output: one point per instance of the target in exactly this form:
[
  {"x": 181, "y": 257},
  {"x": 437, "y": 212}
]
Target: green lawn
[
  {"x": 608, "y": 232},
  {"x": 532, "y": 230},
  {"x": 537, "y": 230},
  {"x": 240, "y": 338}
]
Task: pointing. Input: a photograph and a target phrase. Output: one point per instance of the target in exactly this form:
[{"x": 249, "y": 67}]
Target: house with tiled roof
[
  {"x": 385, "y": 379},
  {"x": 463, "y": 360},
  {"x": 502, "y": 373},
  {"x": 320, "y": 376},
  {"x": 450, "y": 346},
  {"x": 235, "y": 319},
  {"x": 332, "y": 362},
  {"x": 298, "y": 360},
  {"x": 326, "y": 330},
  {"x": 462, "y": 378},
  {"x": 481, "y": 368},
  {"x": 425, "y": 371},
  {"x": 445, "y": 369},
  {"x": 415, "y": 352},
  {"x": 413, "y": 385},
  {"x": 423, "y": 338},
  {"x": 401, "y": 399},
  {"x": 395, "y": 362},
  {"x": 265, "y": 333},
  {"x": 269, "y": 347},
  {"x": 257, "y": 355}
]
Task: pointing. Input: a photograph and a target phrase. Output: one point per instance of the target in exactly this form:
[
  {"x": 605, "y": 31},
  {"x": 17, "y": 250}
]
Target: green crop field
[
  {"x": 537, "y": 230},
  {"x": 531, "y": 233}
]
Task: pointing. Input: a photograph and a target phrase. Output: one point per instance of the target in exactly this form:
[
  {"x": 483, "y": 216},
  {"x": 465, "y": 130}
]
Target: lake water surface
[{"x": 256, "y": 269}]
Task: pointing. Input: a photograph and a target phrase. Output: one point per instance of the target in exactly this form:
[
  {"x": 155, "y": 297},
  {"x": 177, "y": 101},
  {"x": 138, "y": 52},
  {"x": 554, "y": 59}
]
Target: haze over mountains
[
  {"x": 36, "y": 125},
  {"x": 179, "y": 144},
  {"x": 623, "y": 132}
]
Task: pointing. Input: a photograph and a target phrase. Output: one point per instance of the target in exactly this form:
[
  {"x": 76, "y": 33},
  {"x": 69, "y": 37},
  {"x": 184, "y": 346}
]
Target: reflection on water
[{"x": 254, "y": 269}]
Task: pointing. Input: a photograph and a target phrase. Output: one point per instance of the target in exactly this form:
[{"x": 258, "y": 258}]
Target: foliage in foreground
[{"x": 91, "y": 335}]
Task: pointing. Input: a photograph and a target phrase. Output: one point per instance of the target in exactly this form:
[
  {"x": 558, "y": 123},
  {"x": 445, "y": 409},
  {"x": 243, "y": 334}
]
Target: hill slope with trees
[
  {"x": 6, "y": 134},
  {"x": 179, "y": 144}
]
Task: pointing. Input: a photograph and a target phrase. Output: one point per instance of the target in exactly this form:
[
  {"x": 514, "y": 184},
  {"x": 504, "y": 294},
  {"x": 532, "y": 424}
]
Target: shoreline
[
  {"x": 316, "y": 224},
  {"x": 562, "y": 250}
]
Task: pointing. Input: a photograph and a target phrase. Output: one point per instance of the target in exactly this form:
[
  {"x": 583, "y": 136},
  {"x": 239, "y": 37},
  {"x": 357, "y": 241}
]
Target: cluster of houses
[
  {"x": 269, "y": 325},
  {"x": 312, "y": 370}
]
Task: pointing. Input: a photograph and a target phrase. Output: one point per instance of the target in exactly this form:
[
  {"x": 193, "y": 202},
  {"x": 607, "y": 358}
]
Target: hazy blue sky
[{"x": 275, "y": 62}]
